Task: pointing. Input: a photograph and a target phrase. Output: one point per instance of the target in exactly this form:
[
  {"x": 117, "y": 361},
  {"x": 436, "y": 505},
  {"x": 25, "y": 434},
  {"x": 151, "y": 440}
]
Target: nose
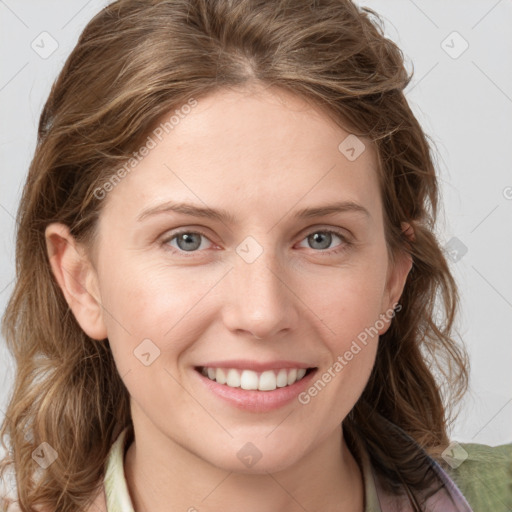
[{"x": 260, "y": 299}]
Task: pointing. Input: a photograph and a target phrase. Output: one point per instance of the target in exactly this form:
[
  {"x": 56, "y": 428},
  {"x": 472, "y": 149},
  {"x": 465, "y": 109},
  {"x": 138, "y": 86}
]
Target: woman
[{"x": 227, "y": 274}]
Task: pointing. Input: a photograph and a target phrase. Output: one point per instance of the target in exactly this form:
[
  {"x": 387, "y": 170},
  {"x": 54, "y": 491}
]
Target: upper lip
[{"x": 245, "y": 364}]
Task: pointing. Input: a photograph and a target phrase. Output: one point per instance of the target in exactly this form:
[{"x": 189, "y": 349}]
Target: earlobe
[{"x": 76, "y": 278}]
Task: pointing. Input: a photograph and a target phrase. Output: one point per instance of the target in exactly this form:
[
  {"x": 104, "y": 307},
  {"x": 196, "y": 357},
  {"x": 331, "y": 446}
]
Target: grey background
[{"x": 463, "y": 100}]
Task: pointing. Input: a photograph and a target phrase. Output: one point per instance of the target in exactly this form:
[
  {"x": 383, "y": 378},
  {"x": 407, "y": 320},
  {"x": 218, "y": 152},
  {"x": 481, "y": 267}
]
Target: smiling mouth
[{"x": 268, "y": 380}]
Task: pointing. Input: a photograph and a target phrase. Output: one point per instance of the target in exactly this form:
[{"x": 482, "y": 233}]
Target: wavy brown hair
[{"x": 138, "y": 59}]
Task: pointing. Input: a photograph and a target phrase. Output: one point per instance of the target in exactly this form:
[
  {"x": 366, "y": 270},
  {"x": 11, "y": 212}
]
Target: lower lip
[{"x": 257, "y": 401}]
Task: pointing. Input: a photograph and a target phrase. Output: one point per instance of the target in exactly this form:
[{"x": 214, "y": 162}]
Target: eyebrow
[{"x": 226, "y": 217}]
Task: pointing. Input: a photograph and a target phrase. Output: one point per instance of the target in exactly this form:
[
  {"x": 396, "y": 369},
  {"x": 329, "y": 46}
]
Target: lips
[
  {"x": 264, "y": 386},
  {"x": 255, "y": 386}
]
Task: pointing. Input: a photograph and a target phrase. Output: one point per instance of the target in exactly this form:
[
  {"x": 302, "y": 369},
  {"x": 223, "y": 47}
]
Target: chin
[{"x": 253, "y": 458}]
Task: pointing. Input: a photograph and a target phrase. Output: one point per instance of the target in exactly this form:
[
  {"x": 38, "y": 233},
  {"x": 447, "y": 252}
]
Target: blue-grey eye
[
  {"x": 188, "y": 241},
  {"x": 321, "y": 239}
]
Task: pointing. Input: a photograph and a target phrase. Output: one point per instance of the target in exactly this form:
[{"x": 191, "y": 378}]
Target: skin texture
[{"x": 261, "y": 154}]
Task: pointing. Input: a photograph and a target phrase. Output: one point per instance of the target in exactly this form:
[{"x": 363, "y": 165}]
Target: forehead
[{"x": 260, "y": 150}]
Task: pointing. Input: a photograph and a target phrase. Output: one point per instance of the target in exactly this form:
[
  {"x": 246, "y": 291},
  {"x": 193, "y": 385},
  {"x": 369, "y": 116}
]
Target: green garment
[{"x": 485, "y": 477}]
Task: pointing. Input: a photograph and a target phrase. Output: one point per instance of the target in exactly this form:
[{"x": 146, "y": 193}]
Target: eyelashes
[
  {"x": 329, "y": 232},
  {"x": 195, "y": 236}
]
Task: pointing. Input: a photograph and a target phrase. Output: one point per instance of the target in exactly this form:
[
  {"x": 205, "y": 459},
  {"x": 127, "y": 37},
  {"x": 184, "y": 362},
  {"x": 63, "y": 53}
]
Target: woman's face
[{"x": 260, "y": 279}]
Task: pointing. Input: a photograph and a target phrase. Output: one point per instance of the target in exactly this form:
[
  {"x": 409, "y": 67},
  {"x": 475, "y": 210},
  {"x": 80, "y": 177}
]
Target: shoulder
[
  {"x": 98, "y": 504},
  {"x": 8, "y": 493},
  {"x": 8, "y": 505},
  {"x": 483, "y": 474}
]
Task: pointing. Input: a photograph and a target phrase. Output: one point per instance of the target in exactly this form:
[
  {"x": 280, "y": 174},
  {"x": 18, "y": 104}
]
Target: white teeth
[
  {"x": 233, "y": 378},
  {"x": 268, "y": 380},
  {"x": 292, "y": 376},
  {"x": 249, "y": 380},
  {"x": 220, "y": 376},
  {"x": 282, "y": 378}
]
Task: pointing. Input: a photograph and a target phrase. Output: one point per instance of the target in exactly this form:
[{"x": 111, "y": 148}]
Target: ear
[
  {"x": 397, "y": 276},
  {"x": 77, "y": 279}
]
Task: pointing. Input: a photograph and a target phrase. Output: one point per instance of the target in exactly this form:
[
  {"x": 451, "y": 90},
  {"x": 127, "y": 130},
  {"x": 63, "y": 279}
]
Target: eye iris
[
  {"x": 319, "y": 237},
  {"x": 188, "y": 238}
]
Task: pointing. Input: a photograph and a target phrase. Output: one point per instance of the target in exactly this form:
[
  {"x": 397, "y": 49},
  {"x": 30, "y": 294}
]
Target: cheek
[
  {"x": 150, "y": 302},
  {"x": 349, "y": 302},
  {"x": 350, "y": 314}
]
